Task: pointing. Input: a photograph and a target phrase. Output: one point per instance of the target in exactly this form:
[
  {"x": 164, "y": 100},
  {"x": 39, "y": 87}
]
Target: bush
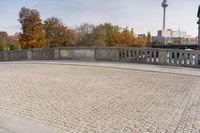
[
  {"x": 1, "y": 46},
  {"x": 16, "y": 46}
]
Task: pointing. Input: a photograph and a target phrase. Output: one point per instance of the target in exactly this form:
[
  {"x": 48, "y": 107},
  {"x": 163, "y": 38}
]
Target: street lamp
[{"x": 198, "y": 15}]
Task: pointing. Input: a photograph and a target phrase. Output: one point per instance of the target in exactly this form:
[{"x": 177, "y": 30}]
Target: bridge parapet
[
  {"x": 161, "y": 56},
  {"x": 188, "y": 58}
]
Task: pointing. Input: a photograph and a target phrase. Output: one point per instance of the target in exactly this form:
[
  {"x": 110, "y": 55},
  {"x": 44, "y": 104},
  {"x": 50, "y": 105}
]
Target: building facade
[{"x": 176, "y": 37}]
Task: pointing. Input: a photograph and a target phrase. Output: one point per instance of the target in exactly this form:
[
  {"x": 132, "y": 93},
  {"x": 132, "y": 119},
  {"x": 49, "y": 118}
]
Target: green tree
[
  {"x": 15, "y": 46},
  {"x": 110, "y": 30},
  {"x": 4, "y": 40},
  {"x": 126, "y": 38},
  {"x": 98, "y": 36},
  {"x": 57, "y": 34},
  {"x": 104, "y": 35},
  {"x": 1, "y": 46},
  {"x": 83, "y": 33},
  {"x": 32, "y": 35},
  {"x": 140, "y": 42},
  {"x": 149, "y": 38}
]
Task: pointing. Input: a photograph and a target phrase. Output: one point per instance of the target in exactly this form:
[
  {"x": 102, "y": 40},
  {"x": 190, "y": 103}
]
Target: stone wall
[
  {"x": 134, "y": 55},
  {"x": 77, "y": 53},
  {"x": 107, "y": 54}
]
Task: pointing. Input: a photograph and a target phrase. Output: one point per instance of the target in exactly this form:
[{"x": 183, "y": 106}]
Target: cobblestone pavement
[{"x": 89, "y": 98}]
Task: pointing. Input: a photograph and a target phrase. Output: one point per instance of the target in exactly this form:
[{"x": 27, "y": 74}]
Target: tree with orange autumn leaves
[{"x": 32, "y": 35}]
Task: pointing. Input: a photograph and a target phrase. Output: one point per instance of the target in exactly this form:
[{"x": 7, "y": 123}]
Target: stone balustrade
[
  {"x": 188, "y": 58},
  {"x": 161, "y": 56}
]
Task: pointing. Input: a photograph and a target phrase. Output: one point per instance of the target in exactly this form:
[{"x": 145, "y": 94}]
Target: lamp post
[{"x": 198, "y": 15}]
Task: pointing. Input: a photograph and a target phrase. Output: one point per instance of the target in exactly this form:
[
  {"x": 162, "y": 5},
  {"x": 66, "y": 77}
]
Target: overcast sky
[{"x": 142, "y": 15}]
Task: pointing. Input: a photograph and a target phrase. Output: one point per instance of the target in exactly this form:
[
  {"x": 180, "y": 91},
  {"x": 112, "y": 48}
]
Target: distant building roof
[{"x": 12, "y": 39}]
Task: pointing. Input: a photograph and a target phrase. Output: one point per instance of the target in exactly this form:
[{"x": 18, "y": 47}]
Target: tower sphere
[{"x": 164, "y": 4}]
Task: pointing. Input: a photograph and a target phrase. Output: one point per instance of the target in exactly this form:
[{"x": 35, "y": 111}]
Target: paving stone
[{"x": 86, "y": 98}]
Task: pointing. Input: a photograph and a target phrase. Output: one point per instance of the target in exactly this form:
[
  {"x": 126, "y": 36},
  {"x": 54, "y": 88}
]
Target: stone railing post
[
  {"x": 56, "y": 53},
  {"x": 5, "y": 56},
  {"x": 162, "y": 56},
  {"x": 115, "y": 54},
  {"x": 29, "y": 54}
]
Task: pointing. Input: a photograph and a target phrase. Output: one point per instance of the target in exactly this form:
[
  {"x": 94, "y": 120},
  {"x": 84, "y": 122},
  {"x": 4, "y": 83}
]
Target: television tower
[{"x": 164, "y": 5}]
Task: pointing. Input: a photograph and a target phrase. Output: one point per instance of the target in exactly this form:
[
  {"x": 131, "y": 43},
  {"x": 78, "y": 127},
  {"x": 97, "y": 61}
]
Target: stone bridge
[
  {"x": 107, "y": 97},
  {"x": 172, "y": 57}
]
